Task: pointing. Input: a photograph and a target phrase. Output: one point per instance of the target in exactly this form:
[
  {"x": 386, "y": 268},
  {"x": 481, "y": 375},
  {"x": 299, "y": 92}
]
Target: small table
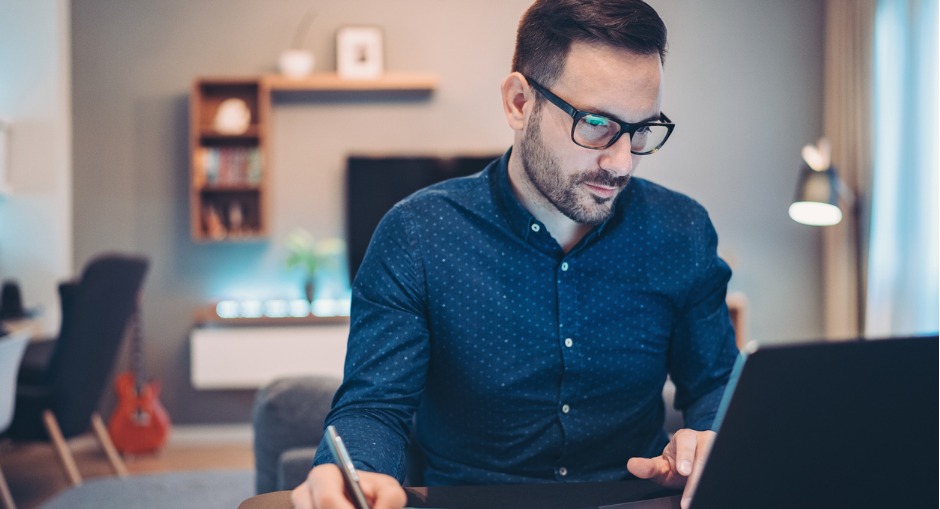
[
  {"x": 30, "y": 325},
  {"x": 510, "y": 496}
]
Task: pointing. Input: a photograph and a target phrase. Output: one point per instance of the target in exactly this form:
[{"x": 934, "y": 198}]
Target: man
[{"x": 525, "y": 318}]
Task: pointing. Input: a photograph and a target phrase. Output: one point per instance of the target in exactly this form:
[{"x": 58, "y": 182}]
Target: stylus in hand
[{"x": 342, "y": 459}]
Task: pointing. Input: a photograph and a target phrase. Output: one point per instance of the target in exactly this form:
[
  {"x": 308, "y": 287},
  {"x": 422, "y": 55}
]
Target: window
[{"x": 903, "y": 266}]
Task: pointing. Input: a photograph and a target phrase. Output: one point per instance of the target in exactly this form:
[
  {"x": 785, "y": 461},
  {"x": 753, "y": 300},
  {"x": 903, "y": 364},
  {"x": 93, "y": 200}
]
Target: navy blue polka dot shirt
[{"x": 518, "y": 362}]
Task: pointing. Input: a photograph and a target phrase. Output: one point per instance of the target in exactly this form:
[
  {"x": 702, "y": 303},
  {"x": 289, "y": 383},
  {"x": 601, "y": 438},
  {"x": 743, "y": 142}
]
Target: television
[{"x": 374, "y": 184}]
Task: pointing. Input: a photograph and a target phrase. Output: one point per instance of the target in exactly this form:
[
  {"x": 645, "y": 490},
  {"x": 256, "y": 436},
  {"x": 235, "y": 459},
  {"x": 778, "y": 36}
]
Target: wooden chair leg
[
  {"x": 102, "y": 433},
  {"x": 5, "y": 496},
  {"x": 61, "y": 447}
]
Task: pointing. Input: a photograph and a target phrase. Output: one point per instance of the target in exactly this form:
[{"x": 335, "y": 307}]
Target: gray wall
[{"x": 743, "y": 84}]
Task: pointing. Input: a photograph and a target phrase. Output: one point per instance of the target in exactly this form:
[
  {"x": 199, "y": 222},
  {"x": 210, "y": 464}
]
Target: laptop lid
[{"x": 847, "y": 424}]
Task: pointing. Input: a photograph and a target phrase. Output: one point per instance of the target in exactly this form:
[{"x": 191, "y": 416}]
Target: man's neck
[
  {"x": 563, "y": 229},
  {"x": 567, "y": 233}
]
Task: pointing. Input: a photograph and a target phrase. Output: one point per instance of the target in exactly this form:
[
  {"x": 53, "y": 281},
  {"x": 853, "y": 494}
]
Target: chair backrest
[
  {"x": 288, "y": 413},
  {"x": 95, "y": 314},
  {"x": 11, "y": 351}
]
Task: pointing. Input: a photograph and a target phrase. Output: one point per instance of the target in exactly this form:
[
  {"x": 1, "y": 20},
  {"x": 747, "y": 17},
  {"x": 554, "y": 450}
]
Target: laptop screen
[{"x": 848, "y": 424}]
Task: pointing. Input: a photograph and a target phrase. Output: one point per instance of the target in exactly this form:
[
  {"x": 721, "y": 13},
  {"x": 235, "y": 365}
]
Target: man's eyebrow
[{"x": 652, "y": 118}]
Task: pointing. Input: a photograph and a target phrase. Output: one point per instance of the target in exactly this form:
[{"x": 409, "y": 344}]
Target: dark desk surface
[{"x": 514, "y": 496}]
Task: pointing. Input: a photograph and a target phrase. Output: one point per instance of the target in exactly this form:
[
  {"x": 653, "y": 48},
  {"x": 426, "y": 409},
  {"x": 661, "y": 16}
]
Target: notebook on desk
[{"x": 848, "y": 424}]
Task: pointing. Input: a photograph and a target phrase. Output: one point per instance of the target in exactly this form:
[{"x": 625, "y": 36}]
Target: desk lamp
[
  {"x": 817, "y": 201},
  {"x": 819, "y": 188}
]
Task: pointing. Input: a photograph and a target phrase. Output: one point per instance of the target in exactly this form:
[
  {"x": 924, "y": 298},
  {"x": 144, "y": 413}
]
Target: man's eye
[{"x": 593, "y": 121}]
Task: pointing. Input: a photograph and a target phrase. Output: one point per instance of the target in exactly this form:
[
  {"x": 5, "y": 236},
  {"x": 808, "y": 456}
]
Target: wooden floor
[{"x": 35, "y": 474}]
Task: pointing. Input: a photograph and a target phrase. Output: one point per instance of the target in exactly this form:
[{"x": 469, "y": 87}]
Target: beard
[{"x": 566, "y": 194}]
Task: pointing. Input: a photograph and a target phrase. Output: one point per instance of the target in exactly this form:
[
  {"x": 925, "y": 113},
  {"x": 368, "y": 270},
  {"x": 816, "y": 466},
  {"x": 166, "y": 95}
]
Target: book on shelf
[
  {"x": 228, "y": 166},
  {"x": 226, "y": 220}
]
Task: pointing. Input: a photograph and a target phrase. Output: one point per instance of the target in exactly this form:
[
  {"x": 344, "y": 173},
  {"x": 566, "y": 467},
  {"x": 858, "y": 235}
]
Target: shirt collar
[{"x": 519, "y": 218}]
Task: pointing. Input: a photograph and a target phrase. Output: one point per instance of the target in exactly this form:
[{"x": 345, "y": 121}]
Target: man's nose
[{"x": 617, "y": 158}]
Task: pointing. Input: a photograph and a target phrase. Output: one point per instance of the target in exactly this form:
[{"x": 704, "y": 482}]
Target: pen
[{"x": 342, "y": 459}]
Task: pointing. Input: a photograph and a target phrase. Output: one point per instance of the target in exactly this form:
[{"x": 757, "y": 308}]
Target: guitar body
[{"x": 139, "y": 423}]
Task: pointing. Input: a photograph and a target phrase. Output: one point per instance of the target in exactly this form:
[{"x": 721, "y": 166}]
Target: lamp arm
[{"x": 845, "y": 192}]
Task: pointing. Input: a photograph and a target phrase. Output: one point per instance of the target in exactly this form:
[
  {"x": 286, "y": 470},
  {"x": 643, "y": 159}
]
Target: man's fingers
[
  {"x": 326, "y": 488},
  {"x": 680, "y": 465},
  {"x": 384, "y": 491},
  {"x": 300, "y": 497},
  {"x": 686, "y": 444},
  {"x": 647, "y": 468},
  {"x": 702, "y": 449}
]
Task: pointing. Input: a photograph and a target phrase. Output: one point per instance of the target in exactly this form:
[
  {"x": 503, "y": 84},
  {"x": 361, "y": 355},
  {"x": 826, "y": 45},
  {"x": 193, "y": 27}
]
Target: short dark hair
[{"x": 548, "y": 28}]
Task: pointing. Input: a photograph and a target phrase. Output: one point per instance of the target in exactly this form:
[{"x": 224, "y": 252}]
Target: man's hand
[
  {"x": 680, "y": 464},
  {"x": 324, "y": 489}
]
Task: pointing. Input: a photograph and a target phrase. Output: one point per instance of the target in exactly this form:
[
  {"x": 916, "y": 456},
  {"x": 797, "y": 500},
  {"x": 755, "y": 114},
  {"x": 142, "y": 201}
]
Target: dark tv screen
[{"x": 376, "y": 183}]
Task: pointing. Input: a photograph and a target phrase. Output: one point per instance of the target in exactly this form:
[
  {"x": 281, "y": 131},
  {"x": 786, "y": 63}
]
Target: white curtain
[{"x": 903, "y": 265}]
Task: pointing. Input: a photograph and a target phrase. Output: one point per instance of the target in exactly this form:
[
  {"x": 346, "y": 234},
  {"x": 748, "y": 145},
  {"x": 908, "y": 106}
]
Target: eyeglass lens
[{"x": 595, "y": 131}]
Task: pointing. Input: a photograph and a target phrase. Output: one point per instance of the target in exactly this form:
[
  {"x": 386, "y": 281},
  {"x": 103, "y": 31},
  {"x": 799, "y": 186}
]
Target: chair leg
[
  {"x": 5, "y": 496},
  {"x": 61, "y": 447},
  {"x": 102, "y": 433}
]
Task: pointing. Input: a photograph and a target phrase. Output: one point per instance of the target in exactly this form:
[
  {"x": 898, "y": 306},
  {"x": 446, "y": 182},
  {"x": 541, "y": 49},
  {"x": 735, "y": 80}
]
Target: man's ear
[{"x": 516, "y": 95}]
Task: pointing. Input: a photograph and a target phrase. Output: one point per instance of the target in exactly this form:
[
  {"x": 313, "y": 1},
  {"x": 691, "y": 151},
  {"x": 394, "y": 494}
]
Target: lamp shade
[{"x": 817, "y": 197}]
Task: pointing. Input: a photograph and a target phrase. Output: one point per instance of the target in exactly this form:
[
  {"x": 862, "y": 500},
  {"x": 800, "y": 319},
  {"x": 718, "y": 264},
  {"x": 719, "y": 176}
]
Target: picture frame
[{"x": 359, "y": 52}]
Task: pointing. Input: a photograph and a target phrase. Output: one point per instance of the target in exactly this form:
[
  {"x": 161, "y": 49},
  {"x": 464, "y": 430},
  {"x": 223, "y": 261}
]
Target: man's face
[{"x": 582, "y": 183}]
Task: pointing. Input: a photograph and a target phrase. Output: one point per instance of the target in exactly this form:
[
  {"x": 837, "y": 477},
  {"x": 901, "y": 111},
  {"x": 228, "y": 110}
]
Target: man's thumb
[{"x": 644, "y": 468}]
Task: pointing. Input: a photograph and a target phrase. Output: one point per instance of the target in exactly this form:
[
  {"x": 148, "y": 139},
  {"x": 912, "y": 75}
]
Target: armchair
[
  {"x": 287, "y": 419},
  {"x": 58, "y": 400}
]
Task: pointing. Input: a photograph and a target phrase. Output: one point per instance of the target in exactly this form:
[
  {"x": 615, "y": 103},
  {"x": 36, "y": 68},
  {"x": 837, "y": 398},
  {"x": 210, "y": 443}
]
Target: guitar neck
[{"x": 137, "y": 350}]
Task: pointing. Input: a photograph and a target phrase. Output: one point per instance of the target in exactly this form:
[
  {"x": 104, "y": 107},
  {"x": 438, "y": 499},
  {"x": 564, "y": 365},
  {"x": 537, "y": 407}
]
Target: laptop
[{"x": 827, "y": 424}]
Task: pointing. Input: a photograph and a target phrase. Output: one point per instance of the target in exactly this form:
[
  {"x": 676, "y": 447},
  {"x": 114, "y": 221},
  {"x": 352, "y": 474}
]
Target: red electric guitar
[{"x": 139, "y": 423}]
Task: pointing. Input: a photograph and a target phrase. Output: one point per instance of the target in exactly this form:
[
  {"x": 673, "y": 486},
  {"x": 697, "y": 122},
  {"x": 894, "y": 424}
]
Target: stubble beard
[{"x": 566, "y": 194}]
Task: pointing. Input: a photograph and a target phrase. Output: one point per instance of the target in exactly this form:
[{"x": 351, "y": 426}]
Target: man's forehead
[{"x": 612, "y": 81}]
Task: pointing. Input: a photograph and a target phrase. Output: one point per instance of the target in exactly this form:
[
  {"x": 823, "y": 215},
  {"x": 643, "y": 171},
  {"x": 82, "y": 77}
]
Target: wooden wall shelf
[
  {"x": 332, "y": 82},
  {"x": 229, "y": 174}
]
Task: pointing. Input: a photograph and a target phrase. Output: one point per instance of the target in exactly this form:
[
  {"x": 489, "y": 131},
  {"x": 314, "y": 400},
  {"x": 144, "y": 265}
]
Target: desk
[
  {"x": 31, "y": 326},
  {"x": 510, "y": 496}
]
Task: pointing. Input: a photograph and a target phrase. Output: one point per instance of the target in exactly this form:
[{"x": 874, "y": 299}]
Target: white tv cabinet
[{"x": 247, "y": 354}]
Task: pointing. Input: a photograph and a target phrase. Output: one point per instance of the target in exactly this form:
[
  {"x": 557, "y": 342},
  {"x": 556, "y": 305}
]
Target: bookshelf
[{"x": 230, "y": 171}]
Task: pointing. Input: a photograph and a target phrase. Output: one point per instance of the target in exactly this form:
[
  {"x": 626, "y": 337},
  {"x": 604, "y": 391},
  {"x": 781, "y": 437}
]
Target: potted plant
[
  {"x": 309, "y": 255},
  {"x": 297, "y": 62}
]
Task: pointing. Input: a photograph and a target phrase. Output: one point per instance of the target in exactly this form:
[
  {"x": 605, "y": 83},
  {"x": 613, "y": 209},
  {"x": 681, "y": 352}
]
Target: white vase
[{"x": 296, "y": 63}]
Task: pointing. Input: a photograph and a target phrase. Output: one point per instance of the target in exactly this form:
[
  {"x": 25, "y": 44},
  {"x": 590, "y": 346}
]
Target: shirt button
[
  {"x": 568, "y": 342},
  {"x": 565, "y": 409},
  {"x": 536, "y": 227},
  {"x": 562, "y": 471},
  {"x": 564, "y": 266}
]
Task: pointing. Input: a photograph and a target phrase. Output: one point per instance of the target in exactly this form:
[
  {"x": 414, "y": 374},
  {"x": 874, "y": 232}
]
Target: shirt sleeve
[
  {"x": 703, "y": 349},
  {"x": 387, "y": 352}
]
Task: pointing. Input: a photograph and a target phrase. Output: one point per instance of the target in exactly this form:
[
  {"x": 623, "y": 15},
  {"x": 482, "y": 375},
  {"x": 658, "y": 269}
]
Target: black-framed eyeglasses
[{"x": 596, "y": 131}]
